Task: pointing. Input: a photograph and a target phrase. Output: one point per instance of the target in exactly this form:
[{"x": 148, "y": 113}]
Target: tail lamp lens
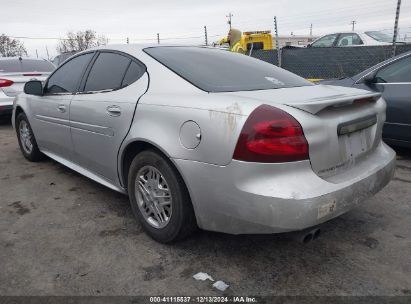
[
  {"x": 271, "y": 135},
  {"x": 5, "y": 83}
]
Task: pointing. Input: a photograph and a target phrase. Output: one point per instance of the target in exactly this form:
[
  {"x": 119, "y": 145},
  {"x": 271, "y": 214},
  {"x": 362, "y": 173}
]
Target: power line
[
  {"x": 325, "y": 13},
  {"x": 38, "y": 38},
  {"x": 322, "y": 16},
  {"x": 118, "y": 39}
]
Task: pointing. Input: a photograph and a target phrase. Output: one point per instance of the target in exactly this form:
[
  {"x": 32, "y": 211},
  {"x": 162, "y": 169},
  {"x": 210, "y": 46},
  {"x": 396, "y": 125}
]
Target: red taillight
[
  {"x": 364, "y": 100},
  {"x": 32, "y": 74},
  {"x": 5, "y": 83},
  {"x": 271, "y": 135}
]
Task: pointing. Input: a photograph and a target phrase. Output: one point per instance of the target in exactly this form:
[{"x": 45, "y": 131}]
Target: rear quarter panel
[
  {"x": 23, "y": 101},
  {"x": 160, "y": 124}
]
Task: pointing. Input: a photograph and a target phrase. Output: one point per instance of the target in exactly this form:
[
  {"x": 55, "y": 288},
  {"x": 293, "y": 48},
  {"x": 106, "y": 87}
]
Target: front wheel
[
  {"x": 159, "y": 198},
  {"x": 27, "y": 141}
]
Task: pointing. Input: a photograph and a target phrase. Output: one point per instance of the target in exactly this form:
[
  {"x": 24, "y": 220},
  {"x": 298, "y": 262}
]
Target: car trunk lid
[
  {"x": 342, "y": 125},
  {"x": 19, "y": 80}
]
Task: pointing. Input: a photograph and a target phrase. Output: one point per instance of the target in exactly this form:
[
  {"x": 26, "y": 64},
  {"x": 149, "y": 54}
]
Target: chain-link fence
[{"x": 327, "y": 63}]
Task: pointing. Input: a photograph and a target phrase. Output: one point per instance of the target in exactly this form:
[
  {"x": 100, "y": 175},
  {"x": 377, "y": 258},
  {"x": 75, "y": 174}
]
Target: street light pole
[
  {"x": 229, "y": 19},
  {"x": 353, "y": 24},
  {"x": 277, "y": 44}
]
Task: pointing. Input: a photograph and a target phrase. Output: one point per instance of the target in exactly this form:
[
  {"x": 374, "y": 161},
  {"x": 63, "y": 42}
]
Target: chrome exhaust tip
[{"x": 308, "y": 235}]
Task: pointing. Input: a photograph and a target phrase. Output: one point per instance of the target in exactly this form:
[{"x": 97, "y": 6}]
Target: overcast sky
[{"x": 142, "y": 20}]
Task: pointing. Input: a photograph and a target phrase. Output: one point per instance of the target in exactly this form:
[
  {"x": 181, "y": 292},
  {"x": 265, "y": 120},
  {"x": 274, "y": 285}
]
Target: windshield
[
  {"x": 379, "y": 36},
  {"x": 214, "y": 70},
  {"x": 25, "y": 65}
]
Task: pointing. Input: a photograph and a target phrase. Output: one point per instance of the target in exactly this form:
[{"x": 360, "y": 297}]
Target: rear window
[
  {"x": 25, "y": 65},
  {"x": 214, "y": 70}
]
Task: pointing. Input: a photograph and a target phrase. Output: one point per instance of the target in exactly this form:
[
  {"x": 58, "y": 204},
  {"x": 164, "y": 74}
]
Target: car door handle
[
  {"x": 113, "y": 110},
  {"x": 61, "y": 108}
]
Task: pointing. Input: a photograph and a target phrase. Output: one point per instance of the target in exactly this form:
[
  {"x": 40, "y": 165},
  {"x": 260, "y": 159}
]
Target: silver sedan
[{"x": 200, "y": 137}]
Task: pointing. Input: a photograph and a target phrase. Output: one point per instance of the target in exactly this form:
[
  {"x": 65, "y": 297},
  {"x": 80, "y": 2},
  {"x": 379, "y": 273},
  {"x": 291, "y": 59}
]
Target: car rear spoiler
[{"x": 314, "y": 106}]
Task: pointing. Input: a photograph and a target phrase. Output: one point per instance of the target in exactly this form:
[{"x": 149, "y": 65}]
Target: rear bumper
[
  {"x": 398, "y": 143},
  {"x": 243, "y": 198},
  {"x": 6, "y": 110},
  {"x": 6, "y": 104}
]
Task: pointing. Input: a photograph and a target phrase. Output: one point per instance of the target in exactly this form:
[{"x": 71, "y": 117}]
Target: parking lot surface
[{"x": 63, "y": 234}]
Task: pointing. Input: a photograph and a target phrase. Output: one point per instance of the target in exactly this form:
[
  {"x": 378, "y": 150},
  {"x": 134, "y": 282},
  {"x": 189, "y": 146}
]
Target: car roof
[
  {"x": 21, "y": 58},
  {"x": 338, "y": 33},
  {"x": 136, "y": 50},
  {"x": 378, "y": 65},
  {"x": 137, "y": 46},
  {"x": 347, "y": 32}
]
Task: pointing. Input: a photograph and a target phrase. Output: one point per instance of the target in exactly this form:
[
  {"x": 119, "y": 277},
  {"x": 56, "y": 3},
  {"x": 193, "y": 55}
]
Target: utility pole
[
  {"x": 394, "y": 38},
  {"x": 205, "y": 35},
  {"x": 353, "y": 24},
  {"x": 128, "y": 40},
  {"x": 277, "y": 44},
  {"x": 37, "y": 54},
  {"x": 158, "y": 38},
  {"x": 47, "y": 51},
  {"x": 311, "y": 29},
  {"x": 229, "y": 19}
]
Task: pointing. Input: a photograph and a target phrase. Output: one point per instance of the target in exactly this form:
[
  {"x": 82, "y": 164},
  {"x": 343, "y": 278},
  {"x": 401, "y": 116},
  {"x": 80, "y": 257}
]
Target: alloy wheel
[
  {"x": 153, "y": 195},
  {"x": 25, "y": 137}
]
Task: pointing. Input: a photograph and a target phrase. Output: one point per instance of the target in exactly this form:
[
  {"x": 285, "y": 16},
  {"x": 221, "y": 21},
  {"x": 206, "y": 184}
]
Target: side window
[
  {"x": 326, "y": 41},
  {"x": 107, "y": 72},
  {"x": 255, "y": 46},
  {"x": 66, "y": 79},
  {"x": 349, "y": 39},
  {"x": 134, "y": 72},
  {"x": 55, "y": 61},
  {"x": 399, "y": 71}
]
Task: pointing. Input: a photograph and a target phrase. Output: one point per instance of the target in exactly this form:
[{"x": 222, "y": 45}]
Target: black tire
[
  {"x": 182, "y": 221},
  {"x": 34, "y": 155}
]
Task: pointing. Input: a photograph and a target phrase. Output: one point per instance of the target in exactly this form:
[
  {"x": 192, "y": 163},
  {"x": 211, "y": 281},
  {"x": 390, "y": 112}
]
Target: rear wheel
[
  {"x": 27, "y": 142},
  {"x": 159, "y": 198}
]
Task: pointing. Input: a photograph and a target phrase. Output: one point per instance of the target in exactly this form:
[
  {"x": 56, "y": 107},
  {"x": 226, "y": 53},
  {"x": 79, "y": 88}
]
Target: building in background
[{"x": 294, "y": 40}]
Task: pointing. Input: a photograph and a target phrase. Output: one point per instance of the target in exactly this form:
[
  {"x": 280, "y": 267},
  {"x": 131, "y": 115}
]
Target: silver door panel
[
  {"x": 100, "y": 122},
  {"x": 51, "y": 123}
]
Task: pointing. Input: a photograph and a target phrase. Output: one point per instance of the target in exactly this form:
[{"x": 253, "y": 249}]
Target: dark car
[
  {"x": 59, "y": 59},
  {"x": 393, "y": 79}
]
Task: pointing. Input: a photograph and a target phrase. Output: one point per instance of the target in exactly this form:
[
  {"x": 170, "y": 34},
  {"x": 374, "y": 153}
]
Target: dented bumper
[{"x": 244, "y": 197}]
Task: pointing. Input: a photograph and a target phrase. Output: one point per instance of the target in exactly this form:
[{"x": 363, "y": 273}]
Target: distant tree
[
  {"x": 80, "y": 41},
  {"x": 11, "y": 47}
]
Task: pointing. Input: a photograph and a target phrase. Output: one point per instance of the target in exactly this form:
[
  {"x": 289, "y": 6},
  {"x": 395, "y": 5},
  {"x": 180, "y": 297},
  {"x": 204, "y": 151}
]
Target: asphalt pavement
[{"x": 63, "y": 234}]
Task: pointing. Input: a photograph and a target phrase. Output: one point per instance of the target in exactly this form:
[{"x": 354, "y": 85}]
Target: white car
[
  {"x": 14, "y": 73},
  {"x": 347, "y": 39}
]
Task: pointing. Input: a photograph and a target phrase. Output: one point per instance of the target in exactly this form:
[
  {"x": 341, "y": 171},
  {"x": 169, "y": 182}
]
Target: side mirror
[
  {"x": 33, "y": 87},
  {"x": 369, "y": 78},
  {"x": 309, "y": 45}
]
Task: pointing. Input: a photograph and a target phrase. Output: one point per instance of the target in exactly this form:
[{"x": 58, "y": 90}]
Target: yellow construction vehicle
[
  {"x": 257, "y": 40},
  {"x": 252, "y": 40}
]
